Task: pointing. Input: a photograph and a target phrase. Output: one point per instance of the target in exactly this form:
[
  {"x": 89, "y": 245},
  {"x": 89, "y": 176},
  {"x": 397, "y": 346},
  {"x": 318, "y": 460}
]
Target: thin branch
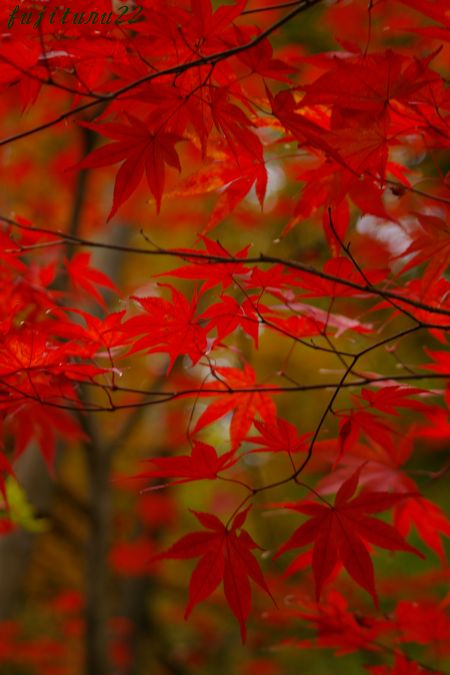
[
  {"x": 262, "y": 258},
  {"x": 166, "y": 397}
]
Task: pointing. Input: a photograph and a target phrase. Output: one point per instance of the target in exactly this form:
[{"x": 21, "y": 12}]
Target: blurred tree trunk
[{"x": 16, "y": 548}]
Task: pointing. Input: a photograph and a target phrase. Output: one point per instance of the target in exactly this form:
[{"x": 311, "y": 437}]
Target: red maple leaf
[
  {"x": 30, "y": 421},
  {"x": 212, "y": 273},
  {"x": 317, "y": 287},
  {"x": 301, "y": 127},
  {"x": 337, "y": 627},
  {"x": 168, "y": 327},
  {"x": 259, "y": 60},
  {"x": 387, "y": 399},
  {"x": 361, "y": 421},
  {"x": 239, "y": 178},
  {"x": 278, "y": 436},
  {"x": 228, "y": 314},
  {"x": 370, "y": 83},
  {"x": 380, "y": 465},
  {"x": 86, "y": 278},
  {"x": 339, "y": 534},
  {"x": 202, "y": 464},
  {"x": 429, "y": 520},
  {"x": 233, "y": 124},
  {"x": 144, "y": 151},
  {"x": 243, "y": 398},
  {"x": 208, "y": 28},
  {"x": 431, "y": 245},
  {"x": 105, "y": 333},
  {"x": 225, "y": 556},
  {"x": 362, "y": 144}
]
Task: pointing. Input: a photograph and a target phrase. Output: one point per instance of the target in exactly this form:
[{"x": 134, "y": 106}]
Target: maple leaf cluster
[{"x": 288, "y": 341}]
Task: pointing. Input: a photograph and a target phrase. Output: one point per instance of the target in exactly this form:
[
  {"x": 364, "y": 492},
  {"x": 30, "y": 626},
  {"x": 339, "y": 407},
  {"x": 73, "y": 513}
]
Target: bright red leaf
[
  {"x": 202, "y": 464},
  {"x": 278, "y": 436},
  {"x": 86, "y": 278},
  {"x": 143, "y": 150},
  {"x": 226, "y": 555},
  {"x": 168, "y": 326},
  {"x": 339, "y": 533},
  {"x": 246, "y": 402}
]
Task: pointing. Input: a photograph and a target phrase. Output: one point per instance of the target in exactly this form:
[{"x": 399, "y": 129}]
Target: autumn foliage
[{"x": 224, "y": 328}]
